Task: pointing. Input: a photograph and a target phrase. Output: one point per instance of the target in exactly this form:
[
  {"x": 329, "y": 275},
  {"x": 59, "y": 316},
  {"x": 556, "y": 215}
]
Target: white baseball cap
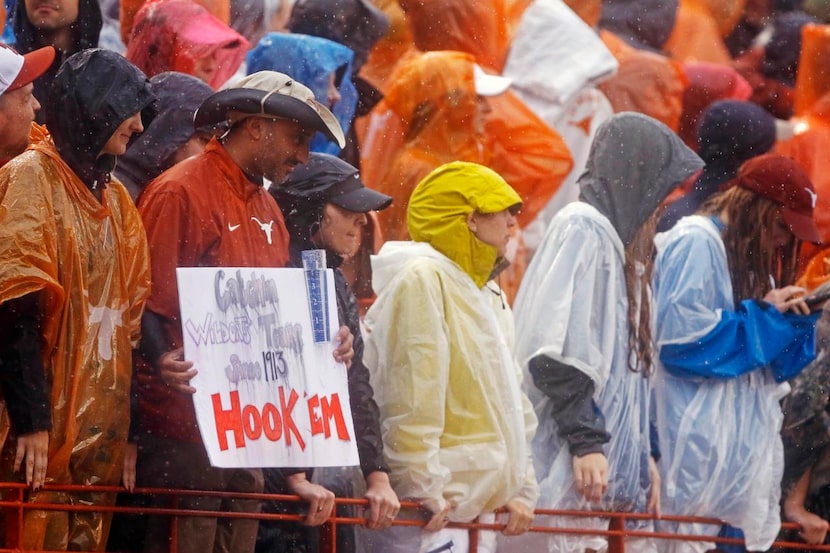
[
  {"x": 489, "y": 85},
  {"x": 18, "y": 70}
]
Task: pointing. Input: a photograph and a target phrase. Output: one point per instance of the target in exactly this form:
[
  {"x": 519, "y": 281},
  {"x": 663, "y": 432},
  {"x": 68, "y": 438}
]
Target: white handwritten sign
[{"x": 266, "y": 394}]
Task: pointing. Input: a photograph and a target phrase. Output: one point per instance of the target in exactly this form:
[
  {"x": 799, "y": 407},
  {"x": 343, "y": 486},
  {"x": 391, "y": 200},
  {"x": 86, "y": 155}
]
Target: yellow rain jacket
[
  {"x": 456, "y": 425},
  {"x": 89, "y": 263}
]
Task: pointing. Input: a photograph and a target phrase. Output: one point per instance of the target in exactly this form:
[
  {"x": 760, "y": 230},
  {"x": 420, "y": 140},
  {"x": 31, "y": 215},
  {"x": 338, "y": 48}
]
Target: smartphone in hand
[{"x": 815, "y": 299}]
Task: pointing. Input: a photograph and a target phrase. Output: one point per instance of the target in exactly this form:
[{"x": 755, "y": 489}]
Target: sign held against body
[{"x": 267, "y": 394}]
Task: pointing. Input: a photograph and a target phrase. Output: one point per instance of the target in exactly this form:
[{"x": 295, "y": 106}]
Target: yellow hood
[{"x": 440, "y": 204}]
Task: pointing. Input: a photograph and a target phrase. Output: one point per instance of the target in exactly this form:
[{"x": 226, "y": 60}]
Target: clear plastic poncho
[
  {"x": 719, "y": 436},
  {"x": 572, "y": 307}
]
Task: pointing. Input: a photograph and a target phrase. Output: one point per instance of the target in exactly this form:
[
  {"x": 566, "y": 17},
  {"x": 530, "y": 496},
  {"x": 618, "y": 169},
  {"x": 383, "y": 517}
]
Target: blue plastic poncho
[
  {"x": 311, "y": 60},
  {"x": 722, "y": 375}
]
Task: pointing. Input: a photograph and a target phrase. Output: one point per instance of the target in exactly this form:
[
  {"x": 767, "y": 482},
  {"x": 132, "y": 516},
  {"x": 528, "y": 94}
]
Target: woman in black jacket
[{"x": 324, "y": 204}]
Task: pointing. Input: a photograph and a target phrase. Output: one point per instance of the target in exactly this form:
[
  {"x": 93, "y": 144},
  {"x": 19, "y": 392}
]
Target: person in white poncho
[
  {"x": 456, "y": 426},
  {"x": 583, "y": 327}
]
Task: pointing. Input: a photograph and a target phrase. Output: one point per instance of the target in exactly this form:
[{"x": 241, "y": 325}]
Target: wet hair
[
  {"x": 639, "y": 263},
  {"x": 751, "y": 255}
]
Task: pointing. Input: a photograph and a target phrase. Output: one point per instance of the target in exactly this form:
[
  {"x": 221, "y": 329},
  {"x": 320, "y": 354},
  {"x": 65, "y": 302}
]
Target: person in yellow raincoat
[
  {"x": 439, "y": 348},
  {"x": 74, "y": 280}
]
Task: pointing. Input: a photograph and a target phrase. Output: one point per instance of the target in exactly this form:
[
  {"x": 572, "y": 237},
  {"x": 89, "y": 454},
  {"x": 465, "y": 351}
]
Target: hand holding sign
[
  {"x": 175, "y": 371},
  {"x": 345, "y": 346}
]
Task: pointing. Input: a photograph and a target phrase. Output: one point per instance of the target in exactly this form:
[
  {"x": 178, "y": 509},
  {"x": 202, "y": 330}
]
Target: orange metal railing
[{"x": 13, "y": 506}]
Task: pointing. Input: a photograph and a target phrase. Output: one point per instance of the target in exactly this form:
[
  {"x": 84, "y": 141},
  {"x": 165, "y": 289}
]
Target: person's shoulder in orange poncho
[
  {"x": 810, "y": 140},
  {"x": 74, "y": 281},
  {"x": 434, "y": 98},
  {"x": 701, "y": 25},
  {"x": 646, "y": 82}
]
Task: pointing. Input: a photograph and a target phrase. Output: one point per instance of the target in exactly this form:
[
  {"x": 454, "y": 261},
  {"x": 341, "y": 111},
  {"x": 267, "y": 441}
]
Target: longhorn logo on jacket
[{"x": 266, "y": 227}]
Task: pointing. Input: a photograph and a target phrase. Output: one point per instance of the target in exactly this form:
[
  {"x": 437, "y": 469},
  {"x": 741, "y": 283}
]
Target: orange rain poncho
[
  {"x": 88, "y": 262},
  {"x": 817, "y": 270},
  {"x": 394, "y": 48},
  {"x": 531, "y": 156},
  {"x": 645, "y": 82},
  {"x": 432, "y": 100},
  {"x": 699, "y": 30},
  {"x": 429, "y": 118},
  {"x": 518, "y": 145},
  {"x": 588, "y": 10},
  {"x": 483, "y": 28},
  {"x": 811, "y": 141}
]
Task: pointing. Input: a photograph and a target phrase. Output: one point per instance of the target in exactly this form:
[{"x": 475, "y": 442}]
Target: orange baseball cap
[{"x": 18, "y": 70}]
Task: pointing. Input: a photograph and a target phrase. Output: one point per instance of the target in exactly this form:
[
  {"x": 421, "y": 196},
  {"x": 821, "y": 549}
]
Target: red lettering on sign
[
  {"x": 328, "y": 410},
  {"x": 253, "y": 422},
  {"x": 271, "y": 423},
  {"x": 250, "y": 422},
  {"x": 313, "y": 417},
  {"x": 287, "y": 420},
  {"x": 333, "y": 410},
  {"x": 228, "y": 421}
]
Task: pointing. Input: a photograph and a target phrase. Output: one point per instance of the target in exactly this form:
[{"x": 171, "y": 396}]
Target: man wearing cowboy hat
[{"x": 212, "y": 210}]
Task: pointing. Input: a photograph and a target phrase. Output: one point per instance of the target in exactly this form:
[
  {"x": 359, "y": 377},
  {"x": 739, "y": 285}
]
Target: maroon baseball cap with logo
[{"x": 783, "y": 181}]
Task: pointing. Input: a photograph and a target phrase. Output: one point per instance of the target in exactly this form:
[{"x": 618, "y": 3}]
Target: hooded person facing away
[
  {"x": 171, "y": 136},
  {"x": 583, "y": 327},
  {"x": 456, "y": 425},
  {"x": 72, "y": 290}
]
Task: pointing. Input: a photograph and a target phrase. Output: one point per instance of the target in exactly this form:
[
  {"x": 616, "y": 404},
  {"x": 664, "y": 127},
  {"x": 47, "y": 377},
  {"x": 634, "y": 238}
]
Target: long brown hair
[
  {"x": 639, "y": 262},
  {"x": 755, "y": 263}
]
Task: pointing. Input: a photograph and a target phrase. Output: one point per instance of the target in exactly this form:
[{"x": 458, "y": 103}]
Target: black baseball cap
[{"x": 328, "y": 179}]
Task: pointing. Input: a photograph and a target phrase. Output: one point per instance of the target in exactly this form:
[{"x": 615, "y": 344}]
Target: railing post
[
  {"x": 17, "y": 529},
  {"x": 328, "y": 537},
  {"x": 616, "y": 543},
  {"x": 473, "y": 532},
  {"x": 174, "y": 527}
]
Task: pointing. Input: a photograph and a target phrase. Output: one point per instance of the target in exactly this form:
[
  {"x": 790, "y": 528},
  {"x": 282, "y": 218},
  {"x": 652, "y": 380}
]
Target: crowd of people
[{"x": 576, "y": 246}]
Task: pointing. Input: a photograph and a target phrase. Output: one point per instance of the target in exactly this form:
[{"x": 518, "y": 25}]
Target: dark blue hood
[{"x": 179, "y": 96}]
